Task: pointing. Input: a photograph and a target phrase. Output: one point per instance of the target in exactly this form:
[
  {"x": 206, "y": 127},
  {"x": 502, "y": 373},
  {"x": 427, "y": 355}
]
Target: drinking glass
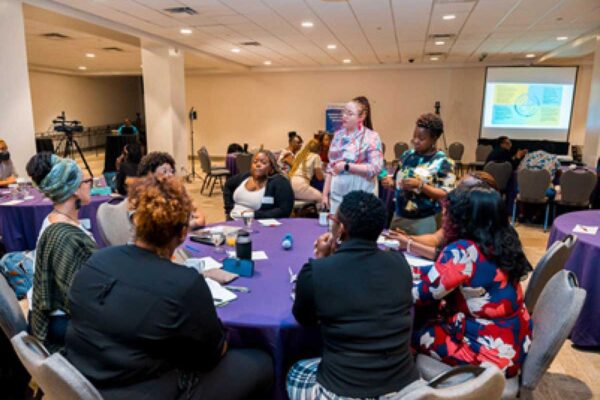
[
  {"x": 248, "y": 217},
  {"x": 217, "y": 239}
]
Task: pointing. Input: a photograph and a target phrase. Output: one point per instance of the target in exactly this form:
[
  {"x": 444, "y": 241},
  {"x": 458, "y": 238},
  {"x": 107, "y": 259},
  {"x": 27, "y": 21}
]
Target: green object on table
[{"x": 101, "y": 191}]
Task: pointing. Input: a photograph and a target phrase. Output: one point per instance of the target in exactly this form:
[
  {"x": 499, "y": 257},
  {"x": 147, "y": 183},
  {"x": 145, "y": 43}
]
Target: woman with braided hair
[{"x": 307, "y": 165}]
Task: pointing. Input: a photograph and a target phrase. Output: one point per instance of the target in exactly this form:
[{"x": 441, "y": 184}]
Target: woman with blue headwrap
[{"x": 63, "y": 245}]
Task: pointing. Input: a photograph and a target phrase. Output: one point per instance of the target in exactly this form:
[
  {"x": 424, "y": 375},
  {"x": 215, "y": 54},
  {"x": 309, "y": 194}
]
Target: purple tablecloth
[
  {"x": 263, "y": 318},
  {"x": 585, "y": 263},
  {"x": 21, "y": 223},
  {"x": 230, "y": 163}
]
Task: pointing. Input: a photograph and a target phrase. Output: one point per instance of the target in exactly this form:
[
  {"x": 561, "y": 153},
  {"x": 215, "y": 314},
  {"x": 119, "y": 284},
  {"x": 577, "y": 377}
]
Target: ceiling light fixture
[
  {"x": 90, "y": 55},
  {"x": 434, "y": 58},
  {"x": 82, "y": 68},
  {"x": 185, "y": 31},
  {"x": 449, "y": 17},
  {"x": 530, "y": 55},
  {"x": 440, "y": 43},
  {"x": 235, "y": 50},
  {"x": 307, "y": 24},
  {"x": 268, "y": 62},
  {"x": 562, "y": 38},
  {"x": 346, "y": 61},
  {"x": 332, "y": 46}
]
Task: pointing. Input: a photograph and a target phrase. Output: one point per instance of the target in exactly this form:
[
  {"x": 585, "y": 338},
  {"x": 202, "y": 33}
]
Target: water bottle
[
  {"x": 243, "y": 246},
  {"x": 287, "y": 242}
]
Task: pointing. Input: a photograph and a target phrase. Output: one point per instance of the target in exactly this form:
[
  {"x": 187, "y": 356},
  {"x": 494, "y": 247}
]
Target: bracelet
[{"x": 408, "y": 245}]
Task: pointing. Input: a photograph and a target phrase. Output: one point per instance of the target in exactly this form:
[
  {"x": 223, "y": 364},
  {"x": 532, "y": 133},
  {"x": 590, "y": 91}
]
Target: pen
[{"x": 241, "y": 289}]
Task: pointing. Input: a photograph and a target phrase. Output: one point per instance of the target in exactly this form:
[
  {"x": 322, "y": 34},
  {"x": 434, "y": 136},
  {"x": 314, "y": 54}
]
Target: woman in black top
[
  {"x": 128, "y": 165},
  {"x": 361, "y": 297},
  {"x": 264, "y": 190},
  {"x": 143, "y": 327}
]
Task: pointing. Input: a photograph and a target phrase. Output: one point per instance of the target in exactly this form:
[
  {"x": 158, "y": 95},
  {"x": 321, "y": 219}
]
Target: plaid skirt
[{"x": 302, "y": 384}]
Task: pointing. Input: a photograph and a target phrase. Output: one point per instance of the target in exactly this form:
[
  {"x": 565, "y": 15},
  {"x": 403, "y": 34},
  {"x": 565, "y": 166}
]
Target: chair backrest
[
  {"x": 399, "y": 149},
  {"x": 483, "y": 151},
  {"x": 489, "y": 384},
  {"x": 12, "y": 320},
  {"x": 204, "y": 160},
  {"x": 243, "y": 162},
  {"x": 551, "y": 262},
  {"x": 56, "y": 376},
  {"x": 501, "y": 173},
  {"x": 114, "y": 224},
  {"x": 553, "y": 317},
  {"x": 456, "y": 150},
  {"x": 576, "y": 187},
  {"x": 533, "y": 185}
]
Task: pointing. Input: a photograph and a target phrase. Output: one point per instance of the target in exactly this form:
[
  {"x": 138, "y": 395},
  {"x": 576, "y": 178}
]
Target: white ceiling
[{"x": 367, "y": 32}]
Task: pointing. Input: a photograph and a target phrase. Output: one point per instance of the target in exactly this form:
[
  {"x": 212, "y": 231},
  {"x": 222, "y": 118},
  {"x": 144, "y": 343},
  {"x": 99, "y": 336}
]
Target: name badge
[{"x": 268, "y": 200}]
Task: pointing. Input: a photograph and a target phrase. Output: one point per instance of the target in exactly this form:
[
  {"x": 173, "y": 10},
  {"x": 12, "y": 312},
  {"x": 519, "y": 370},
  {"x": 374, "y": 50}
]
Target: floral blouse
[{"x": 359, "y": 147}]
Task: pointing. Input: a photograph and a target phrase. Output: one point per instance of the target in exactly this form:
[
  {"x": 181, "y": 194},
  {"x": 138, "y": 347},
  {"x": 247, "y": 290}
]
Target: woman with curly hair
[
  {"x": 143, "y": 327},
  {"x": 483, "y": 319},
  {"x": 424, "y": 177}
]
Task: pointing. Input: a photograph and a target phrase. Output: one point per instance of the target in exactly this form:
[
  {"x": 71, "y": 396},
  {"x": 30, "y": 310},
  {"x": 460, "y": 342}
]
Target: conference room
[{"x": 299, "y": 199}]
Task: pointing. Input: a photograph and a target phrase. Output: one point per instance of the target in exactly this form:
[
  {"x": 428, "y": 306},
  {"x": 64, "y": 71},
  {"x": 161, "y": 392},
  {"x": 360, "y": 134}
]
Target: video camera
[{"x": 61, "y": 124}]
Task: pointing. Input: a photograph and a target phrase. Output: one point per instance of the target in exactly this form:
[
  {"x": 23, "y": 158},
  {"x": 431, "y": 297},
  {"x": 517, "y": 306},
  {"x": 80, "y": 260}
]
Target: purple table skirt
[
  {"x": 20, "y": 223},
  {"x": 585, "y": 263},
  {"x": 263, "y": 318}
]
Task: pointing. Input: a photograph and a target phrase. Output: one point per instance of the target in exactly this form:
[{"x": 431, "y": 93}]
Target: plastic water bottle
[{"x": 287, "y": 242}]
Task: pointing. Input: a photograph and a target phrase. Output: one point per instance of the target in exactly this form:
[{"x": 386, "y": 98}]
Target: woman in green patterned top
[
  {"x": 424, "y": 177},
  {"x": 63, "y": 245}
]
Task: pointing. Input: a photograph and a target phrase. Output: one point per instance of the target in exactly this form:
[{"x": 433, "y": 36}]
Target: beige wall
[
  {"x": 92, "y": 100},
  {"x": 259, "y": 108}
]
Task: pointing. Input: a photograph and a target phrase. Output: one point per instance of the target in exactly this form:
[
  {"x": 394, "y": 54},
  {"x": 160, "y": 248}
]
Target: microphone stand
[
  {"x": 190, "y": 177},
  {"x": 437, "y": 112}
]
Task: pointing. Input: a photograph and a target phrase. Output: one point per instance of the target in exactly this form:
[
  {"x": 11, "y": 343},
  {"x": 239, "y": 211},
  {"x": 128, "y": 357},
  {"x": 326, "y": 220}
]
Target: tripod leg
[{"x": 83, "y": 158}]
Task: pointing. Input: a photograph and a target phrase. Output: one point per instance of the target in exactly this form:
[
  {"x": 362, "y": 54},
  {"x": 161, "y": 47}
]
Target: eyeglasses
[
  {"x": 333, "y": 218},
  {"x": 165, "y": 171},
  {"x": 87, "y": 181},
  {"x": 348, "y": 113}
]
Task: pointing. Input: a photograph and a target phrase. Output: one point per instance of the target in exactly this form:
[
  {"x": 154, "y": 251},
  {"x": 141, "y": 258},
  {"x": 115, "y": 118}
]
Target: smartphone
[{"x": 202, "y": 239}]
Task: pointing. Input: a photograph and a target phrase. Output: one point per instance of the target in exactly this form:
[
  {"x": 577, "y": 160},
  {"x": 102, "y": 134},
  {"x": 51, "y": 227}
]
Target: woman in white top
[{"x": 307, "y": 165}]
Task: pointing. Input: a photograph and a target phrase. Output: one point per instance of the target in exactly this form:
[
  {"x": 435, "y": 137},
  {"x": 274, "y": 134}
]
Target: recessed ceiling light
[
  {"x": 332, "y": 46},
  {"x": 235, "y": 50},
  {"x": 82, "y": 68},
  {"x": 434, "y": 58},
  {"x": 561, "y": 38},
  {"x": 185, "y": 31},
  {"x": 307, "y": 24},
  {"x": 346, "y": 61},
  {"x": 530, "y": 55},
  {"x": 449, "y": 17},
  {"x": 267, "y": 62},
  {"x": 440, "y": 43},
  {"x": 90, "y": 55}
]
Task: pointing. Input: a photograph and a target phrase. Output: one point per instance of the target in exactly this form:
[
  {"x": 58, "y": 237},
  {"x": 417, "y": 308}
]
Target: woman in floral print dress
[{"x": 474, "y": 287}]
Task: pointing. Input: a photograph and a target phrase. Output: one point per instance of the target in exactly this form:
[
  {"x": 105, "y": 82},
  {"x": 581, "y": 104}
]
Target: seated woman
[
  {"x": 423, "y": 178},
  {"x": 430, "y": 244},
  {"x": 145, "y": 328},
  {"x": 63, "y": 245},
  {"x": 287, "y": 155},
  {"x": 325, "y": 141},
  {"x": 307, "y": 165},
  {"x": 7, "y": 170},
  {"x": 360, "y": 297},
  {"x": 127, "y": 165},
  {"x": 483, "y": 319},
  {"x": 264, "y": 190}
]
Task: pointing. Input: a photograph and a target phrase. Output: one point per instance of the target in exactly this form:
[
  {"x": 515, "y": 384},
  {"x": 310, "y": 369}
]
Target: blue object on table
[{"x": 287, "y": 242}]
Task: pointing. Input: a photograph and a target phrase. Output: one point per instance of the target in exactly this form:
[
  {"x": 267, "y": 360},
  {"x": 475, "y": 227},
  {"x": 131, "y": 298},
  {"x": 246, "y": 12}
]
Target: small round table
[
  {"x": 585, "y": 263},
  {"x": 263, "y": 318},
  {"x": 20, "y": 223}
]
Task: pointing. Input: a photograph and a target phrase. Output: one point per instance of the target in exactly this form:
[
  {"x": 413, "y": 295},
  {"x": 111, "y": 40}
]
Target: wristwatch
[{"x": 347, "y": 166}]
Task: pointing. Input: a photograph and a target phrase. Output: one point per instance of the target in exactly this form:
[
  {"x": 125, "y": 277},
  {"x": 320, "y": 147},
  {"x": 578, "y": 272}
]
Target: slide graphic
[{"x": 528, "y": 105}]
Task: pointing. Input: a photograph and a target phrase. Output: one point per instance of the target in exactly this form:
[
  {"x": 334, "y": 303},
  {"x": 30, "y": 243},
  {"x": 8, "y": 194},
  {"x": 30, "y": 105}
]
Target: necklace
[{"x": 66, "y": 215}]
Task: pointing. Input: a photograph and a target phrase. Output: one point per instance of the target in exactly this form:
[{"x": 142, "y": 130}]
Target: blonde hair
[{"x": 313, "y": 146}]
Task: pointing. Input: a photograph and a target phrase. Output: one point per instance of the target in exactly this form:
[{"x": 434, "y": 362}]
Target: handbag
[{"x": 239, "y": 266}]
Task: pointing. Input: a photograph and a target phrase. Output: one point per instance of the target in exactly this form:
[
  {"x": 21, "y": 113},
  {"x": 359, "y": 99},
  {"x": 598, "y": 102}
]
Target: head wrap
[{"x": 62, "y": 181}]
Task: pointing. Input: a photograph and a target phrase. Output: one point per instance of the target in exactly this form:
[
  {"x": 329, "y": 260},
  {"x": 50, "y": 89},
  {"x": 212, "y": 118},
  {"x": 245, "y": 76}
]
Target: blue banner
[{"x": 333, "y": 117}]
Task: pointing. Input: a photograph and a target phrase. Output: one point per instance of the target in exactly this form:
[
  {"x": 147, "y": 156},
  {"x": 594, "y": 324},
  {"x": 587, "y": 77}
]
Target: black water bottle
[{"x": 243, "y": 246}]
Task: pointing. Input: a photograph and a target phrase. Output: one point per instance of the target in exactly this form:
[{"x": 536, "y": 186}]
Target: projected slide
[{"x": 528, "y": 105}]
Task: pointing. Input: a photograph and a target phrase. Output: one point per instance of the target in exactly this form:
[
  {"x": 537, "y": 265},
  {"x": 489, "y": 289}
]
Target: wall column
[{"x": 591, "y": 146}]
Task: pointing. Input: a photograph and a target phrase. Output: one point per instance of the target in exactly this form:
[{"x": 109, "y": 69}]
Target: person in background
[
  {"x": 307, "y": 165},
  {"x": 423, "y": 178},
  {"x": 7, "y": 170},
  {"x": 286, "y": 157},
  {"x": 540, "y": 160},
  {"x": 360, "y": 297},
  {"x": 474, "y": 287},
  {"x": 63, "y": 245},
  {"x": 502, "y": 153},
  {"x": 127, "y": 166},
  {"x": 324, "y": 142},
  {"x": 146, "y": 328},
  {"x": 355, "y": 155},
  {"x": 162, "y": 164},
  {"x": 128, "y": 128},
  {"x": 264, "y": 190},
  {"x": 430, "y": 244}
]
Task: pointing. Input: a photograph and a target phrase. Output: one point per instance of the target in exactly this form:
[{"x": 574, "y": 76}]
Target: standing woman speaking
[{"x": 355, "y": 156}]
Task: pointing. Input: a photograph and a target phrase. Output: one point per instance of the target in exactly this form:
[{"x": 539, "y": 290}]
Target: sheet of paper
[
  {"x": 256, "y": 255},
  {"x": 203, "y": 264},
  {"x": 415, "y": 261},
  {"x": 389, "y": 243},
  {"x": 585, "y": 229},
  {"x": 269, "y": 222},
  {"x": 219, "y": 293},
  {"x": 12, "y": 202}
]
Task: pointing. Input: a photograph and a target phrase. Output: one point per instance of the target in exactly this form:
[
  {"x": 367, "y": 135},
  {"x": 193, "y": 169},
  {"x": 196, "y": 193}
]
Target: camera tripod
[{"x": 71, "y": 143}]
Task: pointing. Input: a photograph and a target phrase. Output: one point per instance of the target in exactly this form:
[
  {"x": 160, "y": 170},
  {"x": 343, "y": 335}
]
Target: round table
[
  {"x": 585, "y": 263},
  {"x": 263, "y": 318},
  {"x": 20, "y": 223}
]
